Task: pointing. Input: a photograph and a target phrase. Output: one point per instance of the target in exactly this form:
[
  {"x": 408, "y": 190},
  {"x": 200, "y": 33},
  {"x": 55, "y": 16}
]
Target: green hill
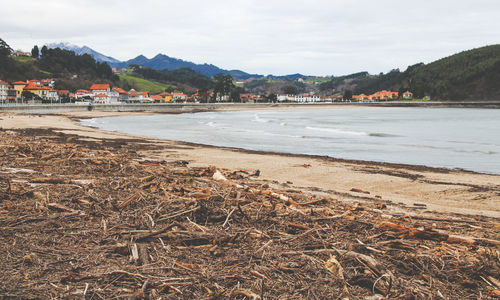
[
  {"x": 468, "y": 75},
  {"x": 141, "y": 84}
]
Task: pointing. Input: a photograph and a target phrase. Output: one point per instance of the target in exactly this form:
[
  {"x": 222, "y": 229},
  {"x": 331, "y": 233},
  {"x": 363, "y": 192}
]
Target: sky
[{"x": 314, "y": 37}]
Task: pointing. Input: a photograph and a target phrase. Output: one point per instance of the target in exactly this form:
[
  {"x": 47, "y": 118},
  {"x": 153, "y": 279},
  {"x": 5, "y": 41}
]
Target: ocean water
[{"x": 455, "y": 138}]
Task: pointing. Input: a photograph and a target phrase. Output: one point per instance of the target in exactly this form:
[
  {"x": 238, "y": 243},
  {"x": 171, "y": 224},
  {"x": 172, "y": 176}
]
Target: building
[
  {"x": 113, "y": 96},
  {"x": 63, "y": 93},
  {"x": 19, "y": 87},
  {"x": 167, "y": 97},
  {"x": 379, "y": 96},
  {"x": 285, "y": 98},
  {"x": 179, "y": 97},
  {"x": 122, "y": 94},
  {"x": 11, "y": 95},
  {"x": 101, "y": 99},
  {"x": 303, "y": 98},
  {"x": 53, "y": 96},
  {"x": 49, "y": 82},
  {"x": 134, "y": 96},
  {"x": 157, "y": 99},
  {"x": 37, "y": 89},
  {"x": 100, "y": 89},
  {"x": 21, "y": 53},
  {"x": 407, "y": 95},
  {"x": 4, "y": 87},
  {"x": 81, "y": 94}
]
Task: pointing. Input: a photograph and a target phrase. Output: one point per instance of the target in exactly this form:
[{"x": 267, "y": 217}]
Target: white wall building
[
  {"x": 299, "y": 98},
  {"x": 4, "y": 87}
]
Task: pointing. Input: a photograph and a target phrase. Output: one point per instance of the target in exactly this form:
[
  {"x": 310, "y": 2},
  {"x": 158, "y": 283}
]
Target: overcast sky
[{"x": 314, "y": 37}]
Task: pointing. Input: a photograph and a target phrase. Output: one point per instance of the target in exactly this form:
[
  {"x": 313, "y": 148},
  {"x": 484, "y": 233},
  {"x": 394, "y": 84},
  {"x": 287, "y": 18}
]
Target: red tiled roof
[
  {"x": 82, "y": 91},
  {"x": 34, "y": 86},
  {"x": 132, "y": 93},
  {"x": 99, "y": 87},
  {"x": 20, "y": 82},
  {"x": 3, "y": 82},
  {"x": 102, "y": 95},
  {"x": 120, "y": 90}
]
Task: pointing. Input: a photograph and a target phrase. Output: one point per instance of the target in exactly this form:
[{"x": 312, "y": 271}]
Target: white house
[
  {"x": 4, "y": 87},
  {"x": 53, "y": 96},
  {"x": 114, "y": 96},
  {"x": 299, "y": 98},
  {"x": 101, "y": 99}
]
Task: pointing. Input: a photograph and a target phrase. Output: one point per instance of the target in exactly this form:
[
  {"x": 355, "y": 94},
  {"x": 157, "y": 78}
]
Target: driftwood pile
[{"x": 93, "y": 219}]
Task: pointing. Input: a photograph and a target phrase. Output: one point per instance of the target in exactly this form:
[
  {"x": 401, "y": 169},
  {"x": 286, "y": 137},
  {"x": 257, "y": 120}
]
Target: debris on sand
[{"x": 94, "y": 220}]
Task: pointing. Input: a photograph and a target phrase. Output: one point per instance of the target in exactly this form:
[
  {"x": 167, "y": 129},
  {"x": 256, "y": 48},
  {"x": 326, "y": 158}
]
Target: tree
[
  {"x": 272, "y": 98},
  {"x": 30, "y": 96},
  {"x": 235, "y": 95},
  {"x": 5, "y": 49},
  {"x": 290, "y": 90},
  {"x": 203, "y": 95},
  {"x": 347, "y": 95},
  {"x": 223, "y": 87},
  {"x": 35, "y": 53},
  {"x": 44, "y": 50}
]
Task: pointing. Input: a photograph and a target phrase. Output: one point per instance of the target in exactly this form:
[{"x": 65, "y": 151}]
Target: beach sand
[{"x": 432, "y": 189}]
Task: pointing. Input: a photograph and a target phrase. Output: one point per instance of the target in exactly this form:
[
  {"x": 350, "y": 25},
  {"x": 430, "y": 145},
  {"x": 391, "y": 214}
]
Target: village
[{"x": 43, "y": 91}]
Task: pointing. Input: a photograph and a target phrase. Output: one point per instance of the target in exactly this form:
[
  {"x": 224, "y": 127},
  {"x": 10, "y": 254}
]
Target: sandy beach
[{"x": 404, "y": 186}]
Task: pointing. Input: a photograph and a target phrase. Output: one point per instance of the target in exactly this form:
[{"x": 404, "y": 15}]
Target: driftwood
[{"x": 96, "y": 220}]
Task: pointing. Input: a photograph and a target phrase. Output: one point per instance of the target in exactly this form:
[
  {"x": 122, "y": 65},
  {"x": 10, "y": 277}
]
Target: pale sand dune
[{"x": 441, "y": 190}]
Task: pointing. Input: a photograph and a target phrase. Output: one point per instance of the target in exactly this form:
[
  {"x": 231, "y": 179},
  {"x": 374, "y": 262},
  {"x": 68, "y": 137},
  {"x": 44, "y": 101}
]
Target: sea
[{"x": 453, "y": 138}]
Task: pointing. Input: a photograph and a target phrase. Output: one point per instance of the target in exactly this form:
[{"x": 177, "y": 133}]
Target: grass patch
[
  {"x": 140, "y": 84},
  {"x": 24, "y": 59}
]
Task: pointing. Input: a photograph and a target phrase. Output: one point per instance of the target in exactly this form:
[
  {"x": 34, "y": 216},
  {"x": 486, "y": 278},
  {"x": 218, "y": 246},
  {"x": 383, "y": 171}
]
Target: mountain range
[{"x": 159, "y": 62}]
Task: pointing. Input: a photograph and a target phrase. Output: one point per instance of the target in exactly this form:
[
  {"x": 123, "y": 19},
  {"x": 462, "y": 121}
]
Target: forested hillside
[
  {"x": 183, "y": 76},
  {"x": 469, "y": 75},
  {"x": 71, "y": 71}
]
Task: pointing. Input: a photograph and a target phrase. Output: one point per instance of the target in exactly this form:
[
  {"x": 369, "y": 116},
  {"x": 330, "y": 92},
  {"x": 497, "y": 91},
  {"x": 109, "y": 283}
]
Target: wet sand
[{"x": 432, "y": 189}]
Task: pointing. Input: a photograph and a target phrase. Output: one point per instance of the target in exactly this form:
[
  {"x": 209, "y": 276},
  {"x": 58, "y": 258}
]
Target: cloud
[{"x": 318, "y": 37}]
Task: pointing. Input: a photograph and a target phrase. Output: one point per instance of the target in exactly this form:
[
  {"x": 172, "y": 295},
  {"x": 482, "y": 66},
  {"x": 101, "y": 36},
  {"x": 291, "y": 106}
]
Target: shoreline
[
  {"x": 441, "y": 190},
  {"x": 192, "y": 107}
]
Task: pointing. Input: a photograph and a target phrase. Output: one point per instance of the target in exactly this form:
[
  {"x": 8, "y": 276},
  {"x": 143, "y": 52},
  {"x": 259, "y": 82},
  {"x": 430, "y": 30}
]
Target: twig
[{"x": 227, "y": 218}]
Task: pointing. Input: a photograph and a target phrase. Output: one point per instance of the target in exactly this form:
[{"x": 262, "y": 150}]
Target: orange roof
[
  {"x": 132, "y": 93},
  {"x": 3, "y": 82},
  {"x": 102, "y": 95},
  {"x": 100, "y": 87},
  {"x": 20, "y": 82},
  {"x": 120, "y": 90},
  {"x": 34, "y": 86}
]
